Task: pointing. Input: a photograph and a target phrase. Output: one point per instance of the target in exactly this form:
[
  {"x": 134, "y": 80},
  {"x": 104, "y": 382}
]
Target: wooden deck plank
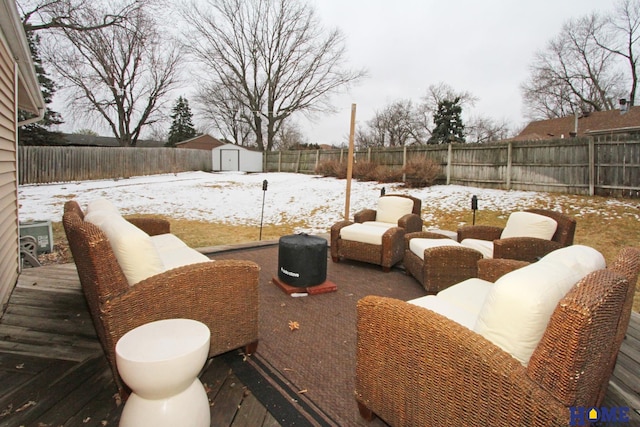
[{"x": 49, "y": 355}]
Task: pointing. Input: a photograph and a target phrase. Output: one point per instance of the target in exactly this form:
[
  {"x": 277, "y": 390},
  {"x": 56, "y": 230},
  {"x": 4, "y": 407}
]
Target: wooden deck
[{"x": 53, "y": 372}]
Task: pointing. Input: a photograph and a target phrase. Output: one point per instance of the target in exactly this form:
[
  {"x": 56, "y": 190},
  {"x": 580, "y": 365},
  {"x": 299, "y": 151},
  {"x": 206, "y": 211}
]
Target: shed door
[{"x": 229, "y": 160}]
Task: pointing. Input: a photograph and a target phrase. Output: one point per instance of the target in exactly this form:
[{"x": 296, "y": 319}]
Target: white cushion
[
  {"x": 528, "y": 224},
  {"x": 133, "y": 249},
  {"x": 446, "y": 309},
  {"x": 386, "y": 225},
  {"x": 102, "y": 204},
  {"x": 179, "y": 256},
  {"x": 392, "y": 208},
  {"x": 98, "y": 217},
  {"x": 418, "y": 245},
  {"x": 363, "y": 233},
  {"x": 518, "y": 307},
  {"x": 167, "y": 241},
  {"x": 469, "y": 295},
  {"x": 580, "y": 258},
  {"x": 485, "y": 247}
]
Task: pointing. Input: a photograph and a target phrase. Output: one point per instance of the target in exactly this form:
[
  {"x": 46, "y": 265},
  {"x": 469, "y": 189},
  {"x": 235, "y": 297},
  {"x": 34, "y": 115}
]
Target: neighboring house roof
[
  {"x": 200, "y": 142},
  {"x": 29, "y": 94},
  {"x": 105, "y": 141},
  {"x": 596, "y": 123}
]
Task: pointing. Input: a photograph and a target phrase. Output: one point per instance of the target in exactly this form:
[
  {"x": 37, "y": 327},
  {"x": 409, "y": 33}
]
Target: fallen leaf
[
  {"x": 303, "y": 391},
  {"x": 293, "y": 325},
  {"x": 20, "y": 366},
  {"x": 26, "y": 405}
]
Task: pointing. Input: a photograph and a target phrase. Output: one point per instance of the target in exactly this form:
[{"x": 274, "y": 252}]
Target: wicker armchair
[
  {"x": 417, "y": 368},
  {"x": 221, "y": 294},
  {"x": 386, "y": 254},
  {"x": 524, "y": 248}
]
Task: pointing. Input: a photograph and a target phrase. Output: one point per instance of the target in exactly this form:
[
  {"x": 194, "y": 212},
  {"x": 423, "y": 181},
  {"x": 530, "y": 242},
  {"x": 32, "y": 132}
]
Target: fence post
[
  {"x": 509, "y": 163},
  {"x": 404, "y": 163},
  {"x": 317, "y": 160},
  {"x": 449, "y": 159},
  {"x": 592, "y": 166}
]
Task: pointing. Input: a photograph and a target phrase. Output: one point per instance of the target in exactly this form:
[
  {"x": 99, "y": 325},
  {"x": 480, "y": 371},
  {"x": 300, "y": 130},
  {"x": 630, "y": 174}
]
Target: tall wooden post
[{"x": 350, "y": 161}]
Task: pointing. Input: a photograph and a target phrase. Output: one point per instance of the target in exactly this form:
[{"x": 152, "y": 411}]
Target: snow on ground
[{"x": 237, "y": 198}]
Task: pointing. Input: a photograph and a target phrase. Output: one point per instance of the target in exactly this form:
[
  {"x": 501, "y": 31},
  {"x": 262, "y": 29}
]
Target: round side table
[{"x": 160, "y": 362}]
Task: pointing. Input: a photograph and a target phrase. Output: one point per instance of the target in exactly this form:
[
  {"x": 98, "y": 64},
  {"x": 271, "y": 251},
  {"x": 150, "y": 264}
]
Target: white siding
[{"x": 9, "y": 258}]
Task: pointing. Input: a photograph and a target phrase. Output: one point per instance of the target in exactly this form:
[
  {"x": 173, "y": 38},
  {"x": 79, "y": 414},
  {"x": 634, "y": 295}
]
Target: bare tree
[
  {"x": 395, "y": 126},
  {"x": 119, "y": 73},
  {"x": 223, "y": 113},
  {"x": 620, "y": 35},
  {"x": 484, "y": 129},
  {"x": 573, "y": 74},
  {"x": 40, "y": 15},
  {"x": 289, "y": 137},
  {"x": 271, "y": 55}
]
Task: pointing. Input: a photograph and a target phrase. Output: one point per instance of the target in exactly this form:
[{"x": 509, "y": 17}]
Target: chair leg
[
  {"x": 365, "y": 412},
  {"x": 251, "y": 348},
  {"x": 335, "y": 258},
  {"x": 386, "y": 269}
]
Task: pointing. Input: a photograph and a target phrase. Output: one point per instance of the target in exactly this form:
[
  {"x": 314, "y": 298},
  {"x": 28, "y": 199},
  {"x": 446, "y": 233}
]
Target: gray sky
[{"x": 481, "y": 46}]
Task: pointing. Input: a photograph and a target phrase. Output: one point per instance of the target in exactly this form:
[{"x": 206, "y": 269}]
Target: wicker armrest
[
  {"x": 151, "y": 226},
  {"x": 415, "y": 367},
  {"x": 365, "y": 215},
  {"x": 492, "y": 269},
  {"x": 221, "y": 294},
  {"x": 410, "y": 222},
  {"x": 482, "y": 232},
  {"x": 523, "y": 248}
]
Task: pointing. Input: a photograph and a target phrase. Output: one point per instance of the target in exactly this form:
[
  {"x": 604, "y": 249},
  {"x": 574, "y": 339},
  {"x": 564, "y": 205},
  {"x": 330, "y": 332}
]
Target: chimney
[{"x": 624, "y": 107}]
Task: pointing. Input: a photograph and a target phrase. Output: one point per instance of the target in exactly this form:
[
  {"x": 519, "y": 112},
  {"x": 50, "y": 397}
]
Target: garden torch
[
  {"x": 264, "y": 191},
  {"x": 474, "y": 207}
]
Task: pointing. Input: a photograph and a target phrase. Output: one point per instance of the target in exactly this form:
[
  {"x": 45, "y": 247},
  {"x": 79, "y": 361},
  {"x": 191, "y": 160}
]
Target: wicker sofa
[
  {"x": 221, "y": 294},
  {"x": 417, "y": 367}
]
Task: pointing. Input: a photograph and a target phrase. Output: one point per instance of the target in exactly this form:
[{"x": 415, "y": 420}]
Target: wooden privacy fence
[
  {"x": 589, "y": 166},
  {"x": 602, "y": 165},
  {"x": 40, "y": 164}
]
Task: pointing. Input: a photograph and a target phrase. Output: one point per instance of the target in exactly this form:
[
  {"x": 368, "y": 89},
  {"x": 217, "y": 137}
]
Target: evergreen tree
[
  {"x": 449, "y": 127},
  {"x": 38, "y": 133},
  {"x": 182, "y": 126}
]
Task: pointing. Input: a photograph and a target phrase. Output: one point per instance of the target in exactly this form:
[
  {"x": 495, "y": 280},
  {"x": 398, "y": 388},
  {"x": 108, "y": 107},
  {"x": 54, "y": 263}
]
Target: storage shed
[{"x": 231, "y": 157}]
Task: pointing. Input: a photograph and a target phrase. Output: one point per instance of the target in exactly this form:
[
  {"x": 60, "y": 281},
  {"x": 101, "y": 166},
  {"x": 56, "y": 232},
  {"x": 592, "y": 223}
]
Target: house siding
[{"x": 9, "y": 252}]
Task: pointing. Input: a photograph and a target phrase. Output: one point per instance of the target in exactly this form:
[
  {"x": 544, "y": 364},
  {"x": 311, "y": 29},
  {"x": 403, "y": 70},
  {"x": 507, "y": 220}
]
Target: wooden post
[
  {"x": 449, "y": 159},
  {"x": 350, "y": 161},
  {"x": 592, "y": 166},
  {"x": 509, "y": 164}
]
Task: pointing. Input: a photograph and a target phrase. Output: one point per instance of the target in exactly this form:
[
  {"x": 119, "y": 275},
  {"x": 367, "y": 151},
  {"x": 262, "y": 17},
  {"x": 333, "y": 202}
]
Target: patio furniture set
[{"x": 519, "y": 326}]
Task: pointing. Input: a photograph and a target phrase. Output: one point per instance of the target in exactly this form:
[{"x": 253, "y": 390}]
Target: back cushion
[
  {"x": 519, "y": 305},
  {"x": 392, "y": 208},
  {"x": 527, "y": 224},
  {"x": 132, "y": 247},
  {"x": 101, "y": 204}
]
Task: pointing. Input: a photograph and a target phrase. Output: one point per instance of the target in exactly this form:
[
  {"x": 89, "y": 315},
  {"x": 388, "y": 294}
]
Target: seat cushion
[
  {"x": 485, "y": 247},
  {"x": 363, "y": 233},
  {"x": 528, "y": 224},
  {"x": 133, "y": 248},
  {"x": 418, "y": 245},
  {"x": 469, "y": 295},
  {"x": 392, "y": 208},
  {"x": 385, "y": 225},
  {"x": 519, "y": 305},
  {"x": 446, "y": 309}
]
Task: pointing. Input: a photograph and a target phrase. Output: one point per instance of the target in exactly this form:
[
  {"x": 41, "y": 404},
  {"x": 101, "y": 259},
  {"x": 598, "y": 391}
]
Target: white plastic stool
[{"x": 160, "y": 362}]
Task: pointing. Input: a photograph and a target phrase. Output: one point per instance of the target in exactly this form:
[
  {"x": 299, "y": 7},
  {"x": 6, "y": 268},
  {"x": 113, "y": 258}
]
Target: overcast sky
[{"x": 481, "y": 46}]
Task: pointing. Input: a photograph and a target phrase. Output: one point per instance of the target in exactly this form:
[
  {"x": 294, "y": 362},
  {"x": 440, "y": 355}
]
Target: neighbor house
[
  {"x": 200, "y": 142},
  {"x": 19, "y": 90},
  {"x": 598, "y": 123}
]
